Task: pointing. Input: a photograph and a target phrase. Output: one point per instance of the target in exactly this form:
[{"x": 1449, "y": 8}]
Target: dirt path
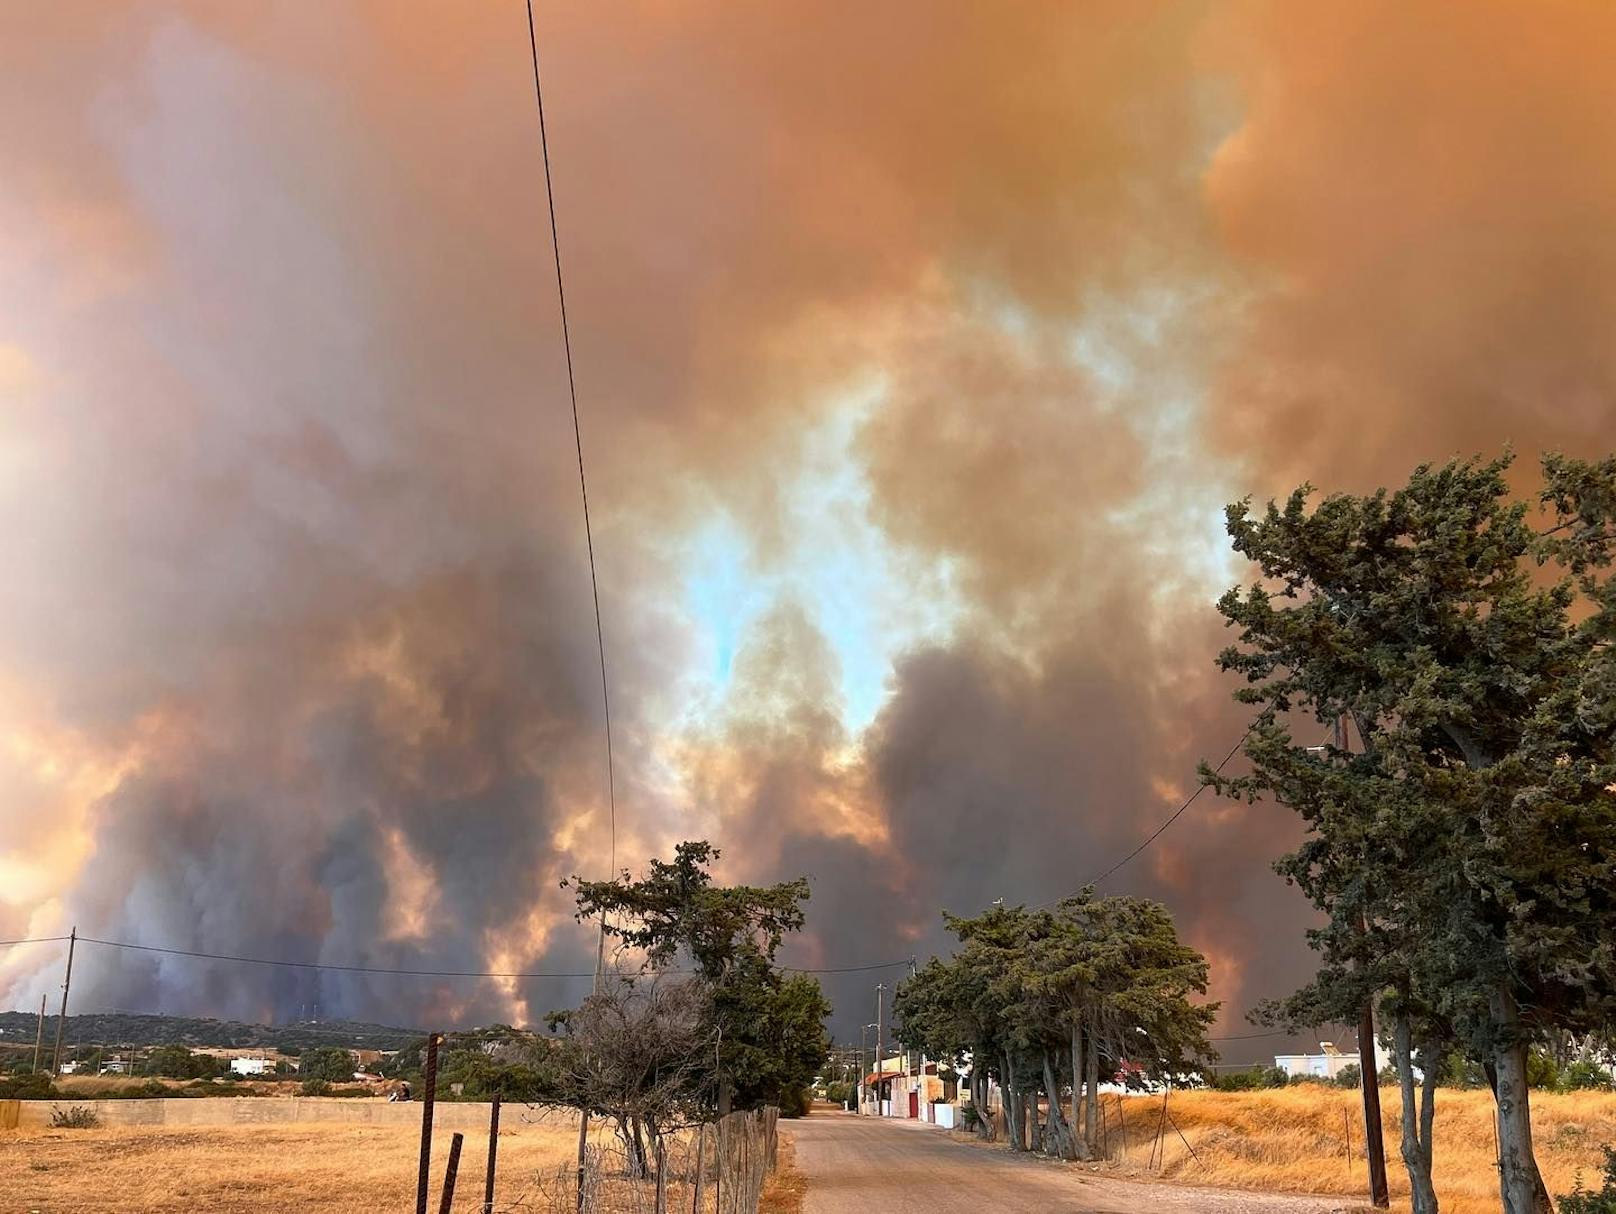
[{"x": 857, "y": 1164}]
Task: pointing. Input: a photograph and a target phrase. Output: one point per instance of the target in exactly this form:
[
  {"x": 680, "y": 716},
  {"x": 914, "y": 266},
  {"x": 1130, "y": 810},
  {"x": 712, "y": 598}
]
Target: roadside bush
[
  {"x": 839, "y": 1092},
  {"x": 1349, "y": 1076},
  {"x": 795, "y": 1101},
  {"x": 27, "y": 1087},
  {"x": 315, "y": 1087},
  {"x": 969, "y": 1117},
  {"x": 1254, "y": 1080},
  {"x": 1585, "y": 1201},
  {"x": 76, "y": 1118}
]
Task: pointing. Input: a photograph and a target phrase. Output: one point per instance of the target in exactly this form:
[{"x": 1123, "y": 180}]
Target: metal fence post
[
  {"x": 493, "y": 1151},
  {"x": 429, "y": 1086},
  {"x": 450, "y": 1171}
]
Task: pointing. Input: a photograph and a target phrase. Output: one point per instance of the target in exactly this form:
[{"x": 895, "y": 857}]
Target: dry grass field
[
  {"x": 262, "y": 1167},
  {"x": 1296, "y": 1139},
  {"x": 281, "y": 1168}
]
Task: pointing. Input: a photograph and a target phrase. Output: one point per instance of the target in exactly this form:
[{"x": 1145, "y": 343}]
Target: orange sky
[{"x": 918, "y": 350}]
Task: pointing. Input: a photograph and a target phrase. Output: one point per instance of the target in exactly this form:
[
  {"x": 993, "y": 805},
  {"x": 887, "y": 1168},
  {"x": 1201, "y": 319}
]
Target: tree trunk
[
  {"x": 1056, "y": 1137},
  {"x": 1091, "y": 1112},
  {"x": 1430, "y": 1060},
  {"x": 1014, "y": 1117},
  {"x": 1080, "y": 1146},
  {"x": 1035, "y": 1141},
  {"x": 1519, "y": 1182},
  {"x": 1416, "y": 1148}
]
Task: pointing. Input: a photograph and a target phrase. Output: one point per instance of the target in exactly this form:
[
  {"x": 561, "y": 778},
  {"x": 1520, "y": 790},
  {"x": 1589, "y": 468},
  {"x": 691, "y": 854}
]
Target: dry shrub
[{"x": 76, "y": 1118}]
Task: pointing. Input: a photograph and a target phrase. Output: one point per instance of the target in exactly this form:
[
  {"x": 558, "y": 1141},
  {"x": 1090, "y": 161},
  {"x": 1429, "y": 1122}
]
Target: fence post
[
  {"x": 718, "y": 1164},
  {"x": 493, "y": 1151},
  {"x": 661, "y": 1176},
  {"x": 450, "y": 1171},
  {"x": 701, "y": 1166},
  {"x": 429, "y": 1087},
  {"x": 583, "y": 1148}
]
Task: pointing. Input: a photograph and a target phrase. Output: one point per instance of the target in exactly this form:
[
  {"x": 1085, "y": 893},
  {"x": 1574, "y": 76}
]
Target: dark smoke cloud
[{"x": 299, "y": 652}]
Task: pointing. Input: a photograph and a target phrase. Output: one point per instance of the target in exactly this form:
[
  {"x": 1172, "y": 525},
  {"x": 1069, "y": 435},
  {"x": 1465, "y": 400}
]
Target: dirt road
[{"x": 858, "y": 1164}]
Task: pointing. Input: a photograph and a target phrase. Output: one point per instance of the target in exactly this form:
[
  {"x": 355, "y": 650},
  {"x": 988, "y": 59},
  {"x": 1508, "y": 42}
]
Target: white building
[
  {"x": 252, "y": 1066},
  {"x": 1326, "y": 1064}
]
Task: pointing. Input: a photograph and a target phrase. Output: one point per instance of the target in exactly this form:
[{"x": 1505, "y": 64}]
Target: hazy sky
[{"x": 919, "y": 347}]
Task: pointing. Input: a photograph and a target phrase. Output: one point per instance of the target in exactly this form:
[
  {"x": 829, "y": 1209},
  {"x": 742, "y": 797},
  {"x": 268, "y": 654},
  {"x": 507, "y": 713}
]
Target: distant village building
[
  {"x": 1326, "y": 1064},
  {"x": 252, "y": 1066}
]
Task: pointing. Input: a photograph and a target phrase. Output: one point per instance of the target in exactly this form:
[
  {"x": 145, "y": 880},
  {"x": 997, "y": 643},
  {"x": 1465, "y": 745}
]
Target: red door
[{"x": 914, "y": 1104}]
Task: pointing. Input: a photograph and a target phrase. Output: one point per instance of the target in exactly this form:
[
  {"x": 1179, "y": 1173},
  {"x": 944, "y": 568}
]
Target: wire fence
[{"x": 711, "y": 1169}]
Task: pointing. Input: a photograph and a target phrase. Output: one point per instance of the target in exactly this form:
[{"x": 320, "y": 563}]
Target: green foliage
[
  {"x": 795, "y": 1101},
  {"x": 1349, "y": 1076},
  {"x": 326, "y": 1062},
  {"x": 1106, "y": 978},
  {"x": 76, "y": 1118},
  {"x": 315, "y": 1087},
  {"x": 1585, "y": 1076},
  {"x": 1541, "y": 1070},
  {"x": 676, "y": 907},
  {"x": 1462, "y": 852},
  {"x": 1255, "y": 1079},
  {"x": 840, "y": 1093},
  {"x": 127, "y": 1028},
  {"x": 36, "y": 1086},
  {"x": 769, "y": 1025},
  {"x": 518, "y": 1069},
  {"x": 1584, "y": 1201},
  {"x": 177, "y": 1062},
  {"x": 774, "y": 1040}
]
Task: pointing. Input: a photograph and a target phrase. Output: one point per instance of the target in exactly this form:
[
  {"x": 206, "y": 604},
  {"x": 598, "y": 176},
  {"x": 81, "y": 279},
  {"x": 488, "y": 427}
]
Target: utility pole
[
  {"x": 880, "y": 1041},
  {"x": 61, "y": 1020},
  {"x": 1368, "y": 1072},
  {"x": 39, "y": 1034}
]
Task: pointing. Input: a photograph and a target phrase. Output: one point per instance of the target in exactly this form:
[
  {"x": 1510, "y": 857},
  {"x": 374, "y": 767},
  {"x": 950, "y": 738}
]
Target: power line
[
  {"x": 1160, "y": 830},
  {"x": 393, "y": 971},
  {"x": 577, "y": 433},
  {"x": 329, "y": 966},
  {"x": 848, "y": 969}
]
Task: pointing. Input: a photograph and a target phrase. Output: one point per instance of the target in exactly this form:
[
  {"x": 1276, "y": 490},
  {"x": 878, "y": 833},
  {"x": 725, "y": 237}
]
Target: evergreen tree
[{"x": 1464, "y": 857}]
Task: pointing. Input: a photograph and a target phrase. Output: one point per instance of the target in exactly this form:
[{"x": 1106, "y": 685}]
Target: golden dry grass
[
  {"x": 270, "y": 1167},
  {"x": 1296, "y": 1139},
  {"x": 785, "y": 1189}
]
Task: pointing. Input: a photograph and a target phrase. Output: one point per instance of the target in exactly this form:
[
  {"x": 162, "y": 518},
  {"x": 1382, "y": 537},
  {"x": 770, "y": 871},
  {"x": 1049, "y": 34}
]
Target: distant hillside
[{"x": 127, "y": 1028}]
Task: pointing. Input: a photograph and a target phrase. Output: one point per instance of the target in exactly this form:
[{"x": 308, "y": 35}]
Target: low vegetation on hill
[{"x": 128, "y": 1028}]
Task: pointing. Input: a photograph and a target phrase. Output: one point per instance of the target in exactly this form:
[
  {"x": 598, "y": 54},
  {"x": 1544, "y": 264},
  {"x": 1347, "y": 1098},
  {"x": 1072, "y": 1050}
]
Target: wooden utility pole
[
  {"x": 1368, "y": 1072},
  {"x": 880, "y": 1041},
  {"x": 39, "y": 1034},
  {"x": 61, "y": 1020}
]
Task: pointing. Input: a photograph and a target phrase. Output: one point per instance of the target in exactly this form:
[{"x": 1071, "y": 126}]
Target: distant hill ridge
[{"x": 131, "y": 1028}]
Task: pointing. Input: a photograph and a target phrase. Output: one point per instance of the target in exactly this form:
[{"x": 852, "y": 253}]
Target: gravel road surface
[{"x": 856, "y": 1165}]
